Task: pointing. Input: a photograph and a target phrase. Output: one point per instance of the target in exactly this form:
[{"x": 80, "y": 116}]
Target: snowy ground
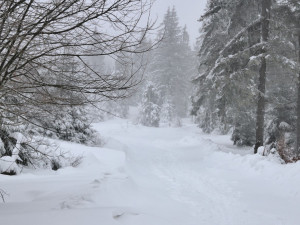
[{"x": 156, "y": 176}]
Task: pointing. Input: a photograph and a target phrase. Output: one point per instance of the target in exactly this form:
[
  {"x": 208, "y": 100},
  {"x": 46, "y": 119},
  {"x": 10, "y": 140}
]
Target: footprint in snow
[
  {"x": 76, "y": 202},
  {"x": 96, "y": 183},
  {"x": 120, "y": 214}
]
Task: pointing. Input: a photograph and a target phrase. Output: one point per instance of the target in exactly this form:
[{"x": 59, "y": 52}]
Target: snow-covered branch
[
  {"x": 240, "y": 34},
  {"x": 210, "y": 12}
]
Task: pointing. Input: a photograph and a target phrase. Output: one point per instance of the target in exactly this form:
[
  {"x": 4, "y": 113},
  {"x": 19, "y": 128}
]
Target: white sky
[{"x": 189, "y": 11}]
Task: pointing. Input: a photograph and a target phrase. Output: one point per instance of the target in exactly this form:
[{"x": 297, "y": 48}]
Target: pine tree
[
  {"x": 285, "y": 66},
  {"x": 142, "y": 65},
  {"x": 210, "y": 43},
  {"x": 292, "y": 12},
  {"x": 231, "y": 56},
  {"x": 150, "y": 109},
  {"x": 172, "y": 66},
  {"x": 236, "y": 45}
]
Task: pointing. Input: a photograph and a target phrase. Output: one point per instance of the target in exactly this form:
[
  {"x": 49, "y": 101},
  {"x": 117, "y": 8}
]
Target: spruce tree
[
  {"x": 227, "y": 85},
  {"x": 172, "y": 64},
  {"x": 150, "y": 109}
]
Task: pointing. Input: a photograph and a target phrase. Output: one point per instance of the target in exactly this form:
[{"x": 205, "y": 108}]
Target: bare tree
[
  {"x": 46, "y": 47},
  {"x": 38, "y": 36}
]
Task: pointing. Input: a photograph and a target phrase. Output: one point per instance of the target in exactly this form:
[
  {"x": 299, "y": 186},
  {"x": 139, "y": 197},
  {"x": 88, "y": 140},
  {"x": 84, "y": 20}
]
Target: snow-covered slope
[{"x": 156, "y": 176}]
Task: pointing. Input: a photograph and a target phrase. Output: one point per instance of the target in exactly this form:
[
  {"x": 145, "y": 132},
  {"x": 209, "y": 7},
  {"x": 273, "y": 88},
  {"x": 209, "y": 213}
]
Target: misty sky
[{"x": 189, "y": 11}]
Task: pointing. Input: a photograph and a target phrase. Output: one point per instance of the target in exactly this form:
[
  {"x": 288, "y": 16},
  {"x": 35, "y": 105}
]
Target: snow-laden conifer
[{"x": 150, "y": 109}]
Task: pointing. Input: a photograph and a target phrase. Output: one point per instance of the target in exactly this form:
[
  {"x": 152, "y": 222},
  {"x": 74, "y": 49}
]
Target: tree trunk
[
  {"x": 298, "y": 105},
  {"x": 260, "y": 113}
]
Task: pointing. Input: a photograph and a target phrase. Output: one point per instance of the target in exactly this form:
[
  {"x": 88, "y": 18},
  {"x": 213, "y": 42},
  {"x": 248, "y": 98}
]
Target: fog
[{"x": 189, "y": 11}]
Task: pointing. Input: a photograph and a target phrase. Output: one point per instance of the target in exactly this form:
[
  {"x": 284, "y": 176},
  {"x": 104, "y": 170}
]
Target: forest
[
  {"x": 112, "y": 114},
  {"x": 248, "y": 74}
]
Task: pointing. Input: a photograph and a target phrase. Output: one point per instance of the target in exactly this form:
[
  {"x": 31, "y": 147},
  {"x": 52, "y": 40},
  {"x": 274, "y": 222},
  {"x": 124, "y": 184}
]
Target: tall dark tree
[{"x": 260, "y": 113}]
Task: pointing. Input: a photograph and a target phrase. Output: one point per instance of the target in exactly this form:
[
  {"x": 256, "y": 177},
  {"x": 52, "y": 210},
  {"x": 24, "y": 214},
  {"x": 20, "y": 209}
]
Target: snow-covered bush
[
  {"x": 25, "y": 144},
  {"x": 69, "y": 124},
  {"x": 150, "y": 109},
  {"x": 31, "y": 151},
  {"x": 8, "y": 163},
  {"x": 280, "y": 133}
]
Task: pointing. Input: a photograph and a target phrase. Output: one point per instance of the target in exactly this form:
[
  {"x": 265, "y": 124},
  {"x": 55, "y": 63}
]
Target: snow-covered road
[{"x": 157, "y": 176}]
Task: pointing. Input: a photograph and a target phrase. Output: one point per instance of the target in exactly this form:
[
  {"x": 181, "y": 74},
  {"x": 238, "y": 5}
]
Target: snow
[
  {"x": 284, "y": 126},
  {"x": 261, "y": 150},
  {"x": 8, "y": 164},
  {"x": 156, "y": 176}
]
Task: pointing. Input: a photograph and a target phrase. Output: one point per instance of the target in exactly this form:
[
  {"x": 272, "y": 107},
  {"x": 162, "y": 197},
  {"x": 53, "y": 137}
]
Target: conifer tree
[
  {"x": 248, "y": 64},
  {"x": 229, "y": 52},
  {"x": 172, "y": 66},
  {"x": 150, "y": 109}
]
